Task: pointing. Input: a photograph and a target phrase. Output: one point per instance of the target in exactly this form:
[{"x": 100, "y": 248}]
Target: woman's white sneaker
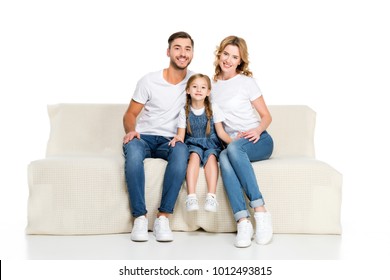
[
  {"x": 140, "y": 229},
  {"x": 244, "y": 234},
  {"x": 264, "y": 229}
]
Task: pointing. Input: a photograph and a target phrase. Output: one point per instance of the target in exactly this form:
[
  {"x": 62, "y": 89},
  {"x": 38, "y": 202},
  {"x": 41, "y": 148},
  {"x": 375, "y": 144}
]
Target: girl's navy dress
[{"x": 200, "y": 143}]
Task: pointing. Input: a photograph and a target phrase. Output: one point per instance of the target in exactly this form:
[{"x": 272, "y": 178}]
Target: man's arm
[{"x": 130, "y": 120}]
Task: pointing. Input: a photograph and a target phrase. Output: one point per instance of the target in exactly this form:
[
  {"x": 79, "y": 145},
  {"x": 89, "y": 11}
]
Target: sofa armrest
[{"x": 70, "y": 195}]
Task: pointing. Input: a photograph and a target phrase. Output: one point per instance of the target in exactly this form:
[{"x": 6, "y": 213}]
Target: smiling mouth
[{"x": 227, "y": 65}]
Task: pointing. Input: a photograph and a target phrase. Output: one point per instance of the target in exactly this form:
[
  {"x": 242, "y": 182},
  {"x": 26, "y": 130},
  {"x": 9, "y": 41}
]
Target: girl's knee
[
  {"x": 212, "y": 158},
  {"x": 194, "y": 157}
]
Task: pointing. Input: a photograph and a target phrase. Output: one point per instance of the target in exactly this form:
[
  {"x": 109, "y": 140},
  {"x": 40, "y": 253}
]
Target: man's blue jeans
[
  {"x": 151, "y": 146},
  {"x": 238, "y": 175}
]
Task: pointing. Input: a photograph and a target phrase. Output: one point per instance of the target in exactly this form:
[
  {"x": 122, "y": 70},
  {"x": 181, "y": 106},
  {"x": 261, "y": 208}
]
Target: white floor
[
  {"x": 186, "y": 246},
  {"x": 358, "y": 251}
]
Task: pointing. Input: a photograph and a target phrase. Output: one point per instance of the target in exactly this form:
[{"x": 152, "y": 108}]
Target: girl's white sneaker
[{"x": 192, "y": 203}]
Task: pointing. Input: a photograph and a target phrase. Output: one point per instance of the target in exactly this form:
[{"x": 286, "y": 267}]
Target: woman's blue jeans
[
  {"x": 151, "y": 146},
  {"x": 238, "y": 175}
]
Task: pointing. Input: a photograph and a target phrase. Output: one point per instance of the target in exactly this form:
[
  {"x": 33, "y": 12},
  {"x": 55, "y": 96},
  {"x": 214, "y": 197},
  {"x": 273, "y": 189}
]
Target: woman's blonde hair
[
  {"x": 243, "y": 67},
  {"x": 207, "y": 103}
]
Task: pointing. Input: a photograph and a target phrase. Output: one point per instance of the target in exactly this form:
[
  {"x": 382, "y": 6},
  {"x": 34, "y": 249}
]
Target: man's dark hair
[{"x": 180, "y": 34}]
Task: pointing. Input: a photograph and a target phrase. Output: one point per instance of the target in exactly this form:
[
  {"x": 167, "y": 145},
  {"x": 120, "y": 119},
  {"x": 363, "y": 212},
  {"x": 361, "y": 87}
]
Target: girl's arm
[
  {"x": 179, "y": 137},
  {"x": 222, "y": 133}
]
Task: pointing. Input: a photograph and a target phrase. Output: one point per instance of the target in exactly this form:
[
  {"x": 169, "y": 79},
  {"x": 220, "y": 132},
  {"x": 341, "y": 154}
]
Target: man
[{"x": 161, "y": 94}]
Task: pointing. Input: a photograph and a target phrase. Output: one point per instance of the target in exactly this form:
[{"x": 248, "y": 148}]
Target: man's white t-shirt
[
  {"x": 234, "y": 98},
  {"x": 162, "y": 104},
  {"x": 217, "y": 115}
]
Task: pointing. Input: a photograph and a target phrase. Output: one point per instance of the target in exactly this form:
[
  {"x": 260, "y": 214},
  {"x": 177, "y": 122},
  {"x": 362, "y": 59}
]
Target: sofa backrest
[
  {"x": 85, "y": 129},
  {"x": 97, "y": 129},
  {"x": 292, "y": 129}
]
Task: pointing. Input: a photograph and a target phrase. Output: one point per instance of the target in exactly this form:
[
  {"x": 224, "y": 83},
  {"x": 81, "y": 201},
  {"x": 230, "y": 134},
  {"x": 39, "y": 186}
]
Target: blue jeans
[
  {"x": 151, "y": 146},
  {"x": 238, "y": 175}
]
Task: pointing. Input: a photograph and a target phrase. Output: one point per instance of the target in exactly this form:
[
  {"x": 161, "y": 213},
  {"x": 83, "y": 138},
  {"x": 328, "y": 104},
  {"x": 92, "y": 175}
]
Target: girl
[
  {"x": 200, "y": 124},
  {"x": 237, "y": 93}
]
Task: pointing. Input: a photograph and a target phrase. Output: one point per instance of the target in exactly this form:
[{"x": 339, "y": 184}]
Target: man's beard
[{"x": 178, "y": 67}]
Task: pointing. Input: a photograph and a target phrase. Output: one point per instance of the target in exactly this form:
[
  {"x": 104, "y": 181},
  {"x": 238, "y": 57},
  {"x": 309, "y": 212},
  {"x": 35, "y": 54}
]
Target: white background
[{"x": 333, "y": 56}]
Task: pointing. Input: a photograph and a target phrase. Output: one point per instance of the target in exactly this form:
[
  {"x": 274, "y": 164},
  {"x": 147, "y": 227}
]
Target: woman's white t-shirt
[{"x": 234, "y": 98}]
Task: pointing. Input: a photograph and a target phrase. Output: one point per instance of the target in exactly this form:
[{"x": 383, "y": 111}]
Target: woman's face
[{"x": 230, "y": 59}]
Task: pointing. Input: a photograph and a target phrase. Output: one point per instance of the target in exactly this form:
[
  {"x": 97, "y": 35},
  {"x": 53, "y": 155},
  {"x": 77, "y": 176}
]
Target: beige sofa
[{"x": 80, "y": 188}]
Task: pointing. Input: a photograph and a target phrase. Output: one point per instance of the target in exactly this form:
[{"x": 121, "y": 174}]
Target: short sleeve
[
  {"x": 253, "y": 89},
  {"x": 181, "y": 123},
  {"x": 218, "y": 115},
  {"x": 141, "y": 94}
]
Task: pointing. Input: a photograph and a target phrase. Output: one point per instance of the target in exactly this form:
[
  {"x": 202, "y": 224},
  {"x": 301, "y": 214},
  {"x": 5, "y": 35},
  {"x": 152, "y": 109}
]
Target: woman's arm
[
  {"x": 264, "y": 113},
  {"x": 266, "y": 119}
]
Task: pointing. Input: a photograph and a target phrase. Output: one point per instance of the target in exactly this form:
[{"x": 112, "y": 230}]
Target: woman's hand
[{"x": 252, "y": 135}]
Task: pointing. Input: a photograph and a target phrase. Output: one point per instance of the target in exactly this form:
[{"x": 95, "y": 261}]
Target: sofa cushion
[{"x": 88, "y": 195}]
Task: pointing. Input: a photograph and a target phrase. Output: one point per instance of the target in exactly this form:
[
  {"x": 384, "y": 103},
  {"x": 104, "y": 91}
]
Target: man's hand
[{"x": 130, "y": 136}]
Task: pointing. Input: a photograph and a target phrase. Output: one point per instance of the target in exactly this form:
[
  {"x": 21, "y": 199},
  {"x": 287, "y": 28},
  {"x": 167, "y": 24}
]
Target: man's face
[{"x": 181, "y": 53}]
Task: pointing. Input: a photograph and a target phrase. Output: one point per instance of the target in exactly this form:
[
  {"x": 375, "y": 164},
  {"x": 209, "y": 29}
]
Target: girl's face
[
  {"x": 229, "y": 60},
  {"x": 198, "y": 89}
]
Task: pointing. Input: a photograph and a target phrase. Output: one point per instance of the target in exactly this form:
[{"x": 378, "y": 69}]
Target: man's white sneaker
[
  {"x": 263, "y": 227},
  {"x": 211, "y": 204},
  {"x": 244, "y": 234},
  {"x": 192, "y": 203},
  {"x": 162, "y": 230},
  {"x": 140, "y": 229}
]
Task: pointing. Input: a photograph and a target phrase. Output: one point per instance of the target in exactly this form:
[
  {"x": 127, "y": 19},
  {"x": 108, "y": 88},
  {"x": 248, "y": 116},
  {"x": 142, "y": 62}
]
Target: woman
[{"x": 237, "y": 93}]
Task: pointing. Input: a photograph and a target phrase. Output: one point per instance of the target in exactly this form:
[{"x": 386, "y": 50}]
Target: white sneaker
[
  {"x": 140, "y": 229},
  {"x": 263, "y": 227},
  {"x": 211, "y": 204},
  {"x": 192, "y": 203},
  {"x": 162, "y": 230},
  {"x": 244, "y": 234}
]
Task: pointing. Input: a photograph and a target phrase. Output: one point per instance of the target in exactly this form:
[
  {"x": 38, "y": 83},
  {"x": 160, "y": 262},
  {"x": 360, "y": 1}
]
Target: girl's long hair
[
  {"x": 207, "y": 103},
  {"x": 243, "y": 68}
]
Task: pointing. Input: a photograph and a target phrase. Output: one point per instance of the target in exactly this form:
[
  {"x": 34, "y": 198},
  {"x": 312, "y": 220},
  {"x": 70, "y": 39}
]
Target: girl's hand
[
  {"x": 130, "y": 136},
  {"x": 252, "y": 135},
  {"x": 175, "y": 139},
  {"x": 239, "y": 135}
]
